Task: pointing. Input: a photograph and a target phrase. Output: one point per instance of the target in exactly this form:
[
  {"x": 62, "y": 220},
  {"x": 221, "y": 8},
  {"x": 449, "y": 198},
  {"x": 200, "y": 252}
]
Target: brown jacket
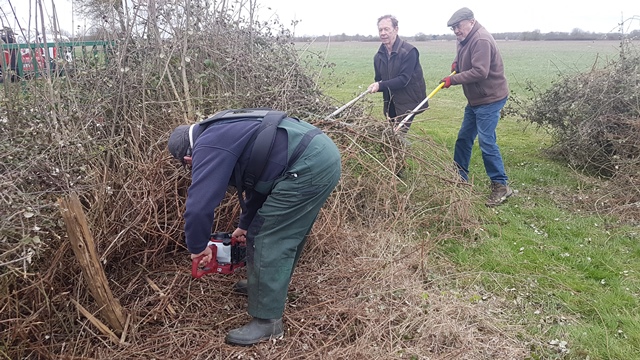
[{"x": 480, "y": 69}]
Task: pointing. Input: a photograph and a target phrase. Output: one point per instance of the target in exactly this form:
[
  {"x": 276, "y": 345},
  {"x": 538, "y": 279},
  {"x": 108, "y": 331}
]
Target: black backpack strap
[
  {"x": 236, "y": 114},
  {"x": 262, "y": 140},
  {"x": 237, "y": 173},
  {"x": 302, "y": 145},
  {"x": 265, "y": 137}
]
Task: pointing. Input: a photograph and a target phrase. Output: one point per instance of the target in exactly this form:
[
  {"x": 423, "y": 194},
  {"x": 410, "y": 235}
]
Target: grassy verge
[{"x": 570, "y": 274}]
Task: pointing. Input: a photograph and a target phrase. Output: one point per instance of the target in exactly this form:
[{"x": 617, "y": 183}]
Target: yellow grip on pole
[{"x": 399, "y": 126}]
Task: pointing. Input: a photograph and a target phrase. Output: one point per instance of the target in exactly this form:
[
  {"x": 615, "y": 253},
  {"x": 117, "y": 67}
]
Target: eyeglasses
[{"x": 455, "y": 26}]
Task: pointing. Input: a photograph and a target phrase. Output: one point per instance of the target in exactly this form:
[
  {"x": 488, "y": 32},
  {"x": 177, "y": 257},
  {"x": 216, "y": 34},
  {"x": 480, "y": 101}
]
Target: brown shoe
[{"x": 499, "y": 194}]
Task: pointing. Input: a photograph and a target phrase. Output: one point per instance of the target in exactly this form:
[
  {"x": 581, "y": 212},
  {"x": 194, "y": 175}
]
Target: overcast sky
[
  {"x": 430, "y": 17},
  {"x": 333, "y": 17}
]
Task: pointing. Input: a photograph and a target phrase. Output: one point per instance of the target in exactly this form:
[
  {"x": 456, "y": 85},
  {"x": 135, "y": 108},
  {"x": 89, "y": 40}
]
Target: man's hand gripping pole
[{"x": 406, "y": 118}]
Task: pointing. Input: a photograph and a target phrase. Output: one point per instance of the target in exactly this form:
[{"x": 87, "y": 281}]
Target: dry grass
[
  {"x": 375, "y": 305},
  {"x": 363, "y": 287}
]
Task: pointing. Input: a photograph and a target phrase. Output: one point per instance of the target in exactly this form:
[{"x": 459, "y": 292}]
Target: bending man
[{"x": 302, "y": 168}]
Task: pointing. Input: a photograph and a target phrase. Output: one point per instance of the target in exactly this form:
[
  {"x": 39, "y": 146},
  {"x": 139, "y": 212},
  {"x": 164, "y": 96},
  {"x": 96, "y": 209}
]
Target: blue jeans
[{"x": 481, "y": 121}]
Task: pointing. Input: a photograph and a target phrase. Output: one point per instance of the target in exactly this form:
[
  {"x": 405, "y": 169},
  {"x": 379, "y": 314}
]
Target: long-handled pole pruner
[
  {"x": 346, "y": 105},
  {"x": 406, "y": 118}
]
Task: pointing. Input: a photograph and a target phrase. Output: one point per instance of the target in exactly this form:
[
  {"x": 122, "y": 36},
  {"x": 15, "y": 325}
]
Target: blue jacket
[{"x": 215, "y": 154}]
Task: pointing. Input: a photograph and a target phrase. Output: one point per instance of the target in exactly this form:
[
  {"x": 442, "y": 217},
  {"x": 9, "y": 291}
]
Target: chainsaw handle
[{"x": 210, "y": 267}]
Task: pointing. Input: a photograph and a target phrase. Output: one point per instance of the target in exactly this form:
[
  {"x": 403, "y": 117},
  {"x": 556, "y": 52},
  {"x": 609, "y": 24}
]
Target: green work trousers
[{"x": 276, "y": 236}]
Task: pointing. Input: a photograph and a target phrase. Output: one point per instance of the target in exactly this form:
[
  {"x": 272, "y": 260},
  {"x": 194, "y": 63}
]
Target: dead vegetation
[
  {"x": 595, "y": 120},
  {"x": 364, "y": 287}
]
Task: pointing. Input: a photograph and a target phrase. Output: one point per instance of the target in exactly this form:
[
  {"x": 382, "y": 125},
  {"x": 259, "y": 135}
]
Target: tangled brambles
[{"x": 594, "y": 118}]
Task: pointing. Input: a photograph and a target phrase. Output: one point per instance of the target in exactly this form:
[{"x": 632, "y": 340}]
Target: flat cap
[
  {"x": 179, "y": 143},
  {"x": 462, "y": 14}
]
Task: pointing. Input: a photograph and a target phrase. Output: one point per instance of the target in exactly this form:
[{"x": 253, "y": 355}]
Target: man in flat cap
[
  {"x": 480, "y": 71},
  {"x": 297, "y": 169}
]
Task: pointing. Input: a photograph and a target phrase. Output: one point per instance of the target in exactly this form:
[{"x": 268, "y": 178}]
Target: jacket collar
[
  {"x": 394, "y": 48},
  {"x": 473, "y": 31}
]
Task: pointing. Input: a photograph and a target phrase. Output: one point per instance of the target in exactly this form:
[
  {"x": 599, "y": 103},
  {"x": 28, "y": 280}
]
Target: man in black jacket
[{"x": 398, "y": 74}]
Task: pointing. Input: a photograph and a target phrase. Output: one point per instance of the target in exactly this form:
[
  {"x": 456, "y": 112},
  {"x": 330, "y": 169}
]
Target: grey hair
[{"x": 393, "y": 19}]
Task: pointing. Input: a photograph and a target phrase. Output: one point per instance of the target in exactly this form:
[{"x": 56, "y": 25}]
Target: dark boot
[
  {"x": 241, "y": 287},
  {"x": 255, "y": 331}
]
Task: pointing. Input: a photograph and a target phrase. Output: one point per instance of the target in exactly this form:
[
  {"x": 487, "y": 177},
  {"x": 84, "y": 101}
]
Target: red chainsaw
[{"x": 228, "y": 254}]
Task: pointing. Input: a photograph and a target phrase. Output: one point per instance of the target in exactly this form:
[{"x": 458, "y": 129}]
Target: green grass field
[{"x": 569, "y": 273}]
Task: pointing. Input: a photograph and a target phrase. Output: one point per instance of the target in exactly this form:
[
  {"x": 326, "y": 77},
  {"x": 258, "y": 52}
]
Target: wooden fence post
[{"x": 86, "y": 254}]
